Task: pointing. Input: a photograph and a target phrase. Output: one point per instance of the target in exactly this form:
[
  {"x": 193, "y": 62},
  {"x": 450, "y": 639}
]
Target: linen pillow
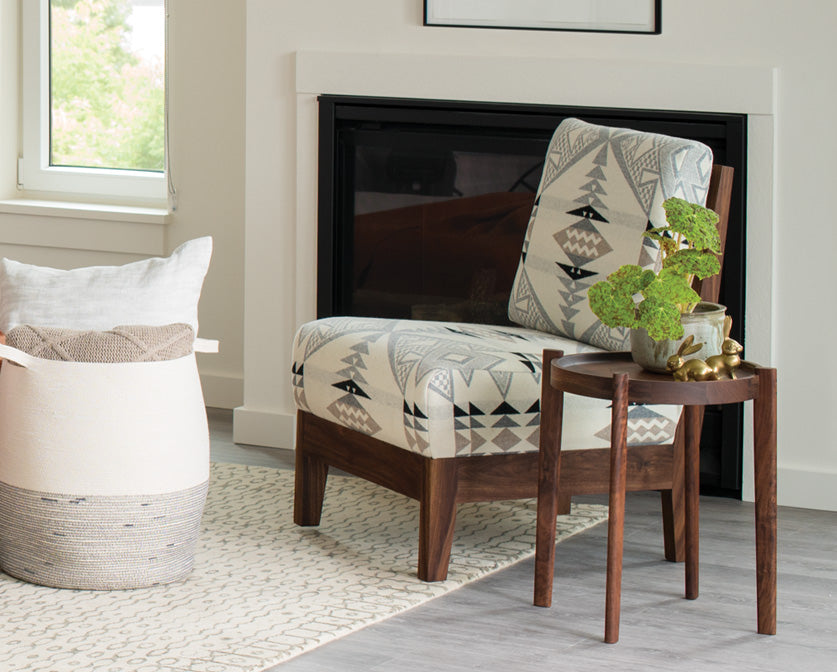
[
  {"x": 152, "y": 292},
  {"x": 134, "y": 343},
  {"x": 601, "y": 188}
]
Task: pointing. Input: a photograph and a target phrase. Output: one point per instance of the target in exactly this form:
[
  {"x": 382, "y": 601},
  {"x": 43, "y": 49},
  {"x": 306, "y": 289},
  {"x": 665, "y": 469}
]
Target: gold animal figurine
[
  {"x": 692, "y": 369},
  {"x": 725, "y": 364}
]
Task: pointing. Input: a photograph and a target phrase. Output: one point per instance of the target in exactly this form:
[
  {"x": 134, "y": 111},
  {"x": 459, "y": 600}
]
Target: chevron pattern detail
[
  {"x": 582, "y": 242},
  {"x": 645, "y": 427},
  {"x": 347, "y": 411}
]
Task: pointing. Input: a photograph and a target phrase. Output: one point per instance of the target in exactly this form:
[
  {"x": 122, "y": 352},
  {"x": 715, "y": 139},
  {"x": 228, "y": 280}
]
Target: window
[{"x": 94, "y": 98}]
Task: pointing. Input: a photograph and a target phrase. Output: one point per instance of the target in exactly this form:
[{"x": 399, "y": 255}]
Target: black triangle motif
[
  {"x": 417, "y": 412},
  {"x": 536, "y": 407},
  {"x": 458, "y": 412},
  {"x": 407, "y": 409},
  {"x": 588, "y": 212},
  {"x": 575, "y": 272},
  {"x": 523, "y": 360},
  {"x": 351, "y": 387},
  {"x": 473, "y": 410},
  {"x": 504, "y": 409}
]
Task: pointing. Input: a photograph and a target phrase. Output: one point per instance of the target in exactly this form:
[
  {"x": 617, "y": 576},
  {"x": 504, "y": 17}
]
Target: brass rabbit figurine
[
  {"x": 725, "y": 364},
  {"x": 692, "y": 369}
]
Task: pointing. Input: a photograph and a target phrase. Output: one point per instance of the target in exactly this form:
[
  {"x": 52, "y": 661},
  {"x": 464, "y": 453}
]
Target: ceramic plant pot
[{"x": 706, "y": 323}]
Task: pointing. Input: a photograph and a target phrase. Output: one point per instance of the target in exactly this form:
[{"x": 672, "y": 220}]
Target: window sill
[
  {"x": 68, "y": 225},
  {"x": 92, "y": 211}
]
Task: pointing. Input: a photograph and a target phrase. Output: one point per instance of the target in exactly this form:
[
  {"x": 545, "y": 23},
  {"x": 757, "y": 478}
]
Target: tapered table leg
[
  {"x": 692, "y": 492},
  {"x": 549, "y": 457},
  {"x": 616, "y": 504},
  {"x": 764, "y": 463}
]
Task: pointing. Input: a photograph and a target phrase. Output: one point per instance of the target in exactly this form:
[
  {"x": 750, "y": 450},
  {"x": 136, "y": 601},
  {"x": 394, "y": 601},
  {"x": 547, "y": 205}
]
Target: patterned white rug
[{"x": 264, "y": 590}]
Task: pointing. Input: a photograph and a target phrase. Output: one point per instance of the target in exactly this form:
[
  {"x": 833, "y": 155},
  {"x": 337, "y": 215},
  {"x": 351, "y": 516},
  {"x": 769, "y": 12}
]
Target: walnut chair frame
[{"x": 439, "y": 484}]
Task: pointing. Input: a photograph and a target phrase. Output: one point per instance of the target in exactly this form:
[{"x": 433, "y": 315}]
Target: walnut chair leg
[
  {"x": 565, "y": 504},
  {"x": 310, "y": 477},
  {"x": 437, "y": 518},
  {"x": 674, "y": 504}
]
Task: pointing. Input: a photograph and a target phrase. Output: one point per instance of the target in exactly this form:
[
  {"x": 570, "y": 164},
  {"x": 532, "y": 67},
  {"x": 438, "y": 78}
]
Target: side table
[{"x": 616, "y": 377}]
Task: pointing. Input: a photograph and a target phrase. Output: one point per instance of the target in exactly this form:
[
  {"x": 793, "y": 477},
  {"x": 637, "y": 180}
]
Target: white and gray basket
[{"x": 104, "y": 470}]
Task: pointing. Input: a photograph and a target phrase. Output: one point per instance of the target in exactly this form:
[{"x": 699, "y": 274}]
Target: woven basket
[{"x": 103, "y": 470}]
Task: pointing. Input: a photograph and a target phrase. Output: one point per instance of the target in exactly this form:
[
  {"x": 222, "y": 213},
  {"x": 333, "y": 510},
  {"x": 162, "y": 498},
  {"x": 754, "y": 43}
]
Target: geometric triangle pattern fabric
[
  {"x": 525, "y": 306},
  {"x": 581, "y": 242},
  {"x": 448, "y": 389},
  {"x": 604, "y": 185},
  {"x": 574, "y": 272},
  {"x": 347, "y": 411},
  {"x": 645, "y": 426}
]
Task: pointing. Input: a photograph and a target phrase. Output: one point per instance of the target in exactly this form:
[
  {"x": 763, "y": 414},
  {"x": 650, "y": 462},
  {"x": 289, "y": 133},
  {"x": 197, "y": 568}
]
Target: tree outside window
[{"x": 107, "y": 86}]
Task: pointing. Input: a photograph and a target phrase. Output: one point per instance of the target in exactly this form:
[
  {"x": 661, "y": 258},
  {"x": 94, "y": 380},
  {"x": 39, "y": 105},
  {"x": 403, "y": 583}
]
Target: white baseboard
[
  {"x": 261, "y": 428},
  {"x": 222, "y": 391},
  {"x": 807, "y": 489}
]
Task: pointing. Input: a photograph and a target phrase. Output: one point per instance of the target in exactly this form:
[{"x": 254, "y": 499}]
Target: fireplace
[{"x": 423, "y": 207}]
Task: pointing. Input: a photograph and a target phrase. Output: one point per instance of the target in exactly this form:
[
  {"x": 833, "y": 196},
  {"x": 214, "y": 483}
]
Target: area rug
[{"x": 264, "y": 590}]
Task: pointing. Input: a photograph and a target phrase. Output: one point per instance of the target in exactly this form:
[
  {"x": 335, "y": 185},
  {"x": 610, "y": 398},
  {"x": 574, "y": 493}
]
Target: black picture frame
[{"x": 443, "y": 13}]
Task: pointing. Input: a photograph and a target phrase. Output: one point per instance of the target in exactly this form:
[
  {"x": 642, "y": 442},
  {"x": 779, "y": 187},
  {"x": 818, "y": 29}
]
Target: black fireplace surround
[{"x": 415, "y": 194}]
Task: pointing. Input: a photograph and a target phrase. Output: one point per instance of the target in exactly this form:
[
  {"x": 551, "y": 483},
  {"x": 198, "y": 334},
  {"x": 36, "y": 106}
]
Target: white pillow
[{"x": 152, "y": 292}]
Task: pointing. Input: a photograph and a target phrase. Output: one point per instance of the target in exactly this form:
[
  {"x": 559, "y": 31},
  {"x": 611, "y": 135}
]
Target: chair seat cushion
[{"x": 445, "y": 389}]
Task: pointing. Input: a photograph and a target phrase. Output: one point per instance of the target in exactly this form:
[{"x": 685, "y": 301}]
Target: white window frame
[{"x": 35, "y": 172}]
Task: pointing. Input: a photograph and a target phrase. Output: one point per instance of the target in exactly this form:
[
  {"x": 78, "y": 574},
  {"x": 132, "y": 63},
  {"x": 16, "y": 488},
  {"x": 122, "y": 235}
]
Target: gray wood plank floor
[{"x": 492, "y": 625}]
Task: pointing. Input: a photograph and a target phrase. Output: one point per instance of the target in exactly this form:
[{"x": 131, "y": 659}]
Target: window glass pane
[{"x": 107, "y": 84}]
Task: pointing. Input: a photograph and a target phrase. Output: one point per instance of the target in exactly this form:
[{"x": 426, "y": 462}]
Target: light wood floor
[{"x": 492, "y": 625}]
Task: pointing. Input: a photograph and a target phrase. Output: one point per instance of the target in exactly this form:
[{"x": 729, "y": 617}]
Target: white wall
[
  {"x": 207, "y": 110},
  {"x": 795, "y": 38},
  {"x": 9, "y": 79}
]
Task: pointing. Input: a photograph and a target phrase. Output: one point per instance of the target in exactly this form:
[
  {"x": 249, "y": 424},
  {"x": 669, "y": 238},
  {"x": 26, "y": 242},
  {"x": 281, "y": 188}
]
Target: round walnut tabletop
[{"x": 591, "y": 375}]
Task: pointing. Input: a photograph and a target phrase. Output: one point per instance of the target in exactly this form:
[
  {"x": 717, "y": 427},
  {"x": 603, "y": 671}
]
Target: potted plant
[{"x": 657, "y": 305}]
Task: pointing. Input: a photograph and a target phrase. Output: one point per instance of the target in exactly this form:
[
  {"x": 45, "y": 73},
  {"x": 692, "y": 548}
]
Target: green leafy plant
[{"x": 640, "y": 298}]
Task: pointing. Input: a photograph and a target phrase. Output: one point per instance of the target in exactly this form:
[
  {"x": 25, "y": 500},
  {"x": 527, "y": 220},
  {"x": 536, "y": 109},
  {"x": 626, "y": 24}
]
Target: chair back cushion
[{"x": 601, "y": 188}]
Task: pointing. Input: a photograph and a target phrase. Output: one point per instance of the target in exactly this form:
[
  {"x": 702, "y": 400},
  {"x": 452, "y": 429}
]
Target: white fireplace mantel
[
  {"x": 625, "y": 83},
  {"x": 560, "y": 81}
]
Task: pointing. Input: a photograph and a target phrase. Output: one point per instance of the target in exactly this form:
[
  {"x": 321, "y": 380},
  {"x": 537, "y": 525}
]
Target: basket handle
[
  {"x": 17, "y": 356},
  {"x": 205, "y": 345},
  {"x": 28, "y": 361}
]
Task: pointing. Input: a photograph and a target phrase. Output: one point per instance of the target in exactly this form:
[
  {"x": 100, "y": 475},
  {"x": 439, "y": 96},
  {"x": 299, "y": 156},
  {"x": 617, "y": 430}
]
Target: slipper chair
[{"x": 448, "y": 412}]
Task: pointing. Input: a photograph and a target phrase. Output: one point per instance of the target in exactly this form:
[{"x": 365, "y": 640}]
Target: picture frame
[{"x": 599, "y": 16}]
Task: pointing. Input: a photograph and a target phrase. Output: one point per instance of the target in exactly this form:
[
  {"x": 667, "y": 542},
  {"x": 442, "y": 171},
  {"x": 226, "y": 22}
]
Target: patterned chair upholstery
[
  {"x": 444, "y": 389},
  {"x": 425, "y": 407}
]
